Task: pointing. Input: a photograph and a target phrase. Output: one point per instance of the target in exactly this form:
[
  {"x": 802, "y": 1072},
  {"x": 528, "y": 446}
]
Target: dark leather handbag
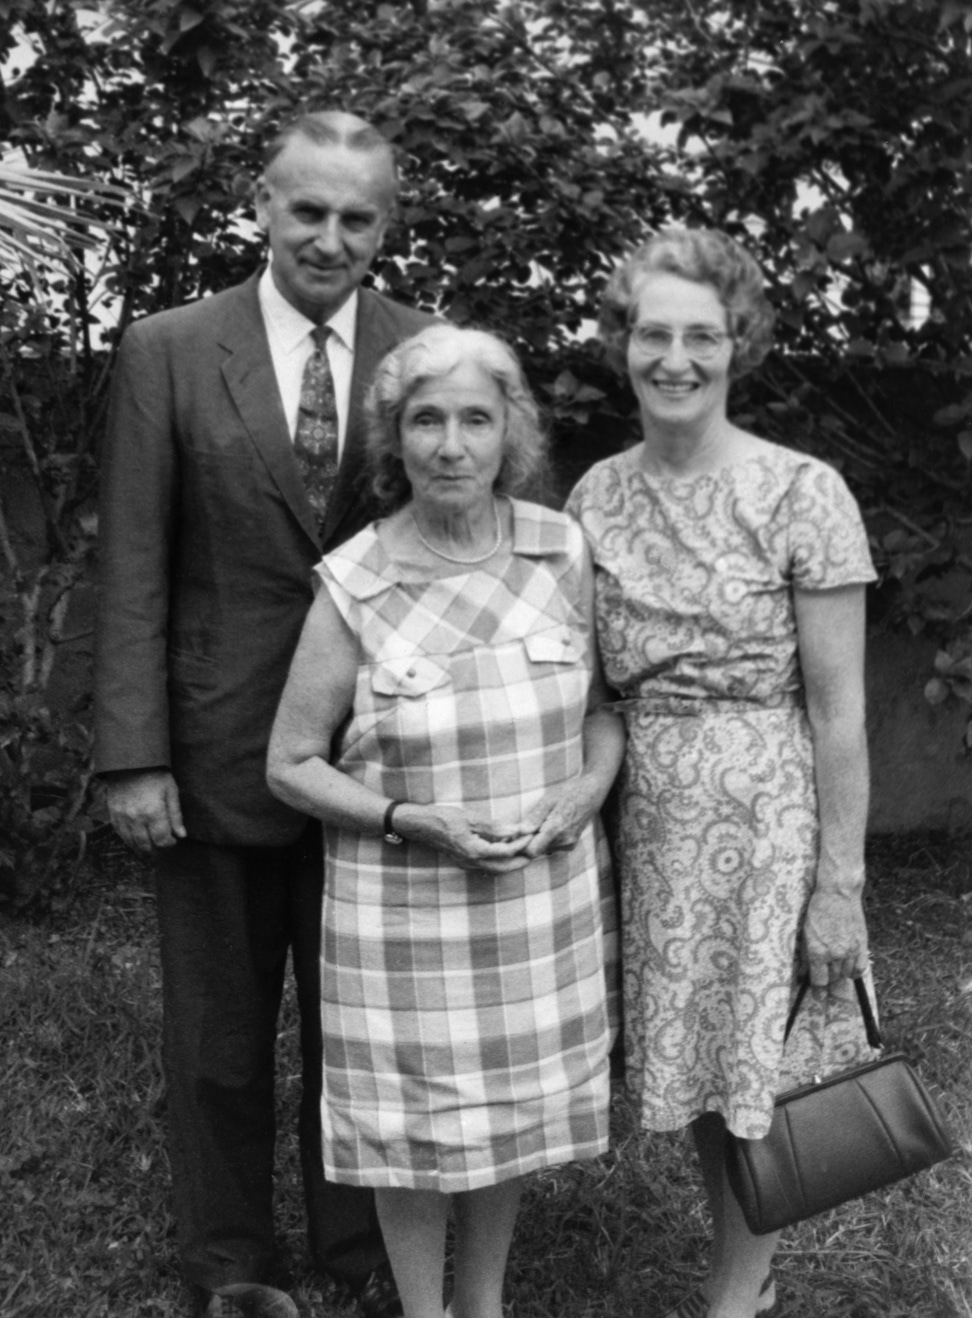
[{"x": 838, "y": 1138}]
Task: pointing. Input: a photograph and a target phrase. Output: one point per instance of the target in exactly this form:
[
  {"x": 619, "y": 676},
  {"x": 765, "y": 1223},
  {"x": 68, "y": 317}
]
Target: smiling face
[
  {"x": 675, "y": 390},
  {"x": 452, "y": 431},
  {"x": 325, "y": 209}
]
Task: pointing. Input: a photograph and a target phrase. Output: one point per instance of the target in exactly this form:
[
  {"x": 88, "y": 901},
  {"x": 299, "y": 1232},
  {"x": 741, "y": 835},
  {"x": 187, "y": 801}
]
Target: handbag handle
[{"x": 863, "y": 1001}]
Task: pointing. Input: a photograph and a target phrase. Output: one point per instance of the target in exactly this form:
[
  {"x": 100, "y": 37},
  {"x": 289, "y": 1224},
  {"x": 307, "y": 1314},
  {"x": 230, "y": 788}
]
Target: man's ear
[
  {"x": 386, "y": 225},
  {"x": 391, "y": 218},
  {"x": 261, "y": 202}
]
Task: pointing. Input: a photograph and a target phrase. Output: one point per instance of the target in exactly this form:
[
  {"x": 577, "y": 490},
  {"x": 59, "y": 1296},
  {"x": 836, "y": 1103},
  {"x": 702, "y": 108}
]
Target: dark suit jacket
[{"x": 206, "y": 545}]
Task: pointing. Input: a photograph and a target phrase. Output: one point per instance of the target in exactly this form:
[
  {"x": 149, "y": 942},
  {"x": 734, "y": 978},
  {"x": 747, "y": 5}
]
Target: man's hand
[{"x": 144, "y": 808}]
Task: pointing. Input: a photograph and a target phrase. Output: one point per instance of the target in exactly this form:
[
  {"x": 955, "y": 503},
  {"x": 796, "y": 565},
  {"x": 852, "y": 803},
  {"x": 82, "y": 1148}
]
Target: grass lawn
[{"x": 84, "y": 1221}]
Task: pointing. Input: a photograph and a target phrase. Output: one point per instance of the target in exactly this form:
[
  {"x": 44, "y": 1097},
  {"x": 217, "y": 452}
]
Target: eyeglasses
[{"x": 699, "y": 344}]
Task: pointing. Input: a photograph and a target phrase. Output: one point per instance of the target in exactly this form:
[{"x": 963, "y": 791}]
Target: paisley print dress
[{"x": 718, "y": 833}]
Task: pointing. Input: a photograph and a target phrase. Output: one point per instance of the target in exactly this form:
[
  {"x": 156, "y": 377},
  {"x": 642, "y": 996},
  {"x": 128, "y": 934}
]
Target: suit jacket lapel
[{"x": 252, "y": 383}]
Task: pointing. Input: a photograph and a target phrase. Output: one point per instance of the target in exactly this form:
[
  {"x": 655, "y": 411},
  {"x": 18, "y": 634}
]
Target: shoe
[
  {"x": 377, "y": 1296},
  {"x": 697, "y": 1306},
  {"x": 246, "y": 1299},
  {"x": 767, "y": 1298}
]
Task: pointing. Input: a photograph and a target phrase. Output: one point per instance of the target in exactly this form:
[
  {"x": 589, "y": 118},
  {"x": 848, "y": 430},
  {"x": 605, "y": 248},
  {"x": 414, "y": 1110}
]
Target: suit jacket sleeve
[{"x": 136, "y": 514}]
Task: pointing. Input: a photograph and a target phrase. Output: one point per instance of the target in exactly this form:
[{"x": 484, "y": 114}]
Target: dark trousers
[{"x": 227, "y": 917}]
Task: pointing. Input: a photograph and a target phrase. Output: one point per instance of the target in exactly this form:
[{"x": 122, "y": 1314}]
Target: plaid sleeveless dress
[{"x": 465, "y": 1015}]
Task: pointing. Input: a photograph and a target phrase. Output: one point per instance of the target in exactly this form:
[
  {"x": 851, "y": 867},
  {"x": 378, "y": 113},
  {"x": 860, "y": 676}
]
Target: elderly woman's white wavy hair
[{"x": 430, "y": 355}]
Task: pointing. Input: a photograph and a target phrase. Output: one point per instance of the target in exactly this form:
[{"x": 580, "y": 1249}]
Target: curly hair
[
  {"x": 430, "y": 355},
  {"x": 705, "y": 256}
]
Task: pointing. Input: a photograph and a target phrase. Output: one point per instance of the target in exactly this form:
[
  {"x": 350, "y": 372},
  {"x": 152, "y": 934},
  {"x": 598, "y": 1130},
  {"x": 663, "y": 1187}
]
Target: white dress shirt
[{"x": 291, "y": 345}]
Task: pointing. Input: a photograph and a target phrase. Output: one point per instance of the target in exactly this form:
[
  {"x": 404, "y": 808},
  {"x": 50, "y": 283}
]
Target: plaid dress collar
[{"x": 364, "y": 568}]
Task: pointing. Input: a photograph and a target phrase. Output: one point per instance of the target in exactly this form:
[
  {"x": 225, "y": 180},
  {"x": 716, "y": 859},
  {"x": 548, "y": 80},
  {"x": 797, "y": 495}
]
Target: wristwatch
[{"x": 388, "y": 828}]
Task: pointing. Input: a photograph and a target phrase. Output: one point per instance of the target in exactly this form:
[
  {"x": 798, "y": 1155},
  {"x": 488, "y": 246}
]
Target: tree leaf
[
  {"x": 189, "y": 18},
  {"x": 936, "y": 691},
  {"x": 844, "y": 246}
]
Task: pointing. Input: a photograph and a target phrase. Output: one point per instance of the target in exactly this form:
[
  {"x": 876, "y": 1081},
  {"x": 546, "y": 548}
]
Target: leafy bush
[
  {"x": 832, "y": 137},
  {"x": 47, "y": 533}
]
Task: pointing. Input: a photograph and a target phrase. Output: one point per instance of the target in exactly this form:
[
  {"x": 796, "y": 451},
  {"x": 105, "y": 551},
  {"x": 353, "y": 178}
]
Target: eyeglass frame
[{"x": 671, "y": 337}]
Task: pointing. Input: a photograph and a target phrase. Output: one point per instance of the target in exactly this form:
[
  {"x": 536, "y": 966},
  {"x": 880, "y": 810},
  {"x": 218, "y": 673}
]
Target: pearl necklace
[{"x": 454, "y": 558}]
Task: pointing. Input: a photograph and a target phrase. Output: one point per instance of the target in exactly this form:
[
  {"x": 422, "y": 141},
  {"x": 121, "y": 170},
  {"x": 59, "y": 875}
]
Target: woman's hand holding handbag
[{"x": 838, "y": 1138}]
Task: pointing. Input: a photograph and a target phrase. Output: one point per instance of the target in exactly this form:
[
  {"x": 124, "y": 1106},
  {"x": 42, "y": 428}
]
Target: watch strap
[{"x": 388, "y": 826}]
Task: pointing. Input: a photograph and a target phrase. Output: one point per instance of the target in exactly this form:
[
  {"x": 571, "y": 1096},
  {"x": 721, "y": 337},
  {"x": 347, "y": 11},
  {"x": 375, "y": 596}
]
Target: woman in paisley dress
[
  {"x": 444, "y": 717},
  {"x": 729, "y": 581}
]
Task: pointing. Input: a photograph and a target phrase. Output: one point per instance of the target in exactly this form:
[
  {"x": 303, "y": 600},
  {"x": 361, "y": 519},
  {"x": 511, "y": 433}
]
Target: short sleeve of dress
[
  {"x": 827, "y": 541},
  {"x": 576, "y": 569},
  {"x": 577, "y": 499},
  {"x": 324, "y": 579},
  {"x": 584, "y": 502},
  {"x": 355, "y": 571}
]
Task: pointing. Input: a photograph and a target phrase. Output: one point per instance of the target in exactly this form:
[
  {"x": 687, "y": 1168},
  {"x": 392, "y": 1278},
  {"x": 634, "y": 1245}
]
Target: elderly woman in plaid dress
[{"x": 444, "y": 718}]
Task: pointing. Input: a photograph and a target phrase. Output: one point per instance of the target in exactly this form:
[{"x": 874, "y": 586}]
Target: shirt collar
[{"x": 291, "y": 327}]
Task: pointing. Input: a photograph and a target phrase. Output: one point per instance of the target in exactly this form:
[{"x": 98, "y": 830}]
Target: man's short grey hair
[{"x": 333, "y": 128}]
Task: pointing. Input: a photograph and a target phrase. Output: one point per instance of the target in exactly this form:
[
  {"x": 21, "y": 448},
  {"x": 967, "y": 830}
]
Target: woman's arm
[
  {"x": 830, "y": 633},
  {"x": 563, "y": 814},
  {"x": 316, "y": 700}
]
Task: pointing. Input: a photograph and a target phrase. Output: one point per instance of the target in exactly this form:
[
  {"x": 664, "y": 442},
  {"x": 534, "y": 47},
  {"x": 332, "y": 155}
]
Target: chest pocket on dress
[
  {"x": 412, "y": 676},
  {"x": 552, "y": 647}
]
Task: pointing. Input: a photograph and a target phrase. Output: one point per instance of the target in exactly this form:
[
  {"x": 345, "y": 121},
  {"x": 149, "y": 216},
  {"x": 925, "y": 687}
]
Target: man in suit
[{"x": 216, "y": 502}]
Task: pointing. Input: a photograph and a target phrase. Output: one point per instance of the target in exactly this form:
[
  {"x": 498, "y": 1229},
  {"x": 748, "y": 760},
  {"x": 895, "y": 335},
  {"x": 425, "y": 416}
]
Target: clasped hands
[{"x": 554, "y": 824}]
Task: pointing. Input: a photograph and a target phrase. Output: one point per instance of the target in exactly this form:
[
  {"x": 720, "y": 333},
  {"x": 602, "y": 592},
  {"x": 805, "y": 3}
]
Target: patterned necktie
[{"x": 316, "y": 440}]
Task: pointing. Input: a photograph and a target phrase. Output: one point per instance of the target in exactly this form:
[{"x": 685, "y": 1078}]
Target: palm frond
[{"x": 45, "y": 217}]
